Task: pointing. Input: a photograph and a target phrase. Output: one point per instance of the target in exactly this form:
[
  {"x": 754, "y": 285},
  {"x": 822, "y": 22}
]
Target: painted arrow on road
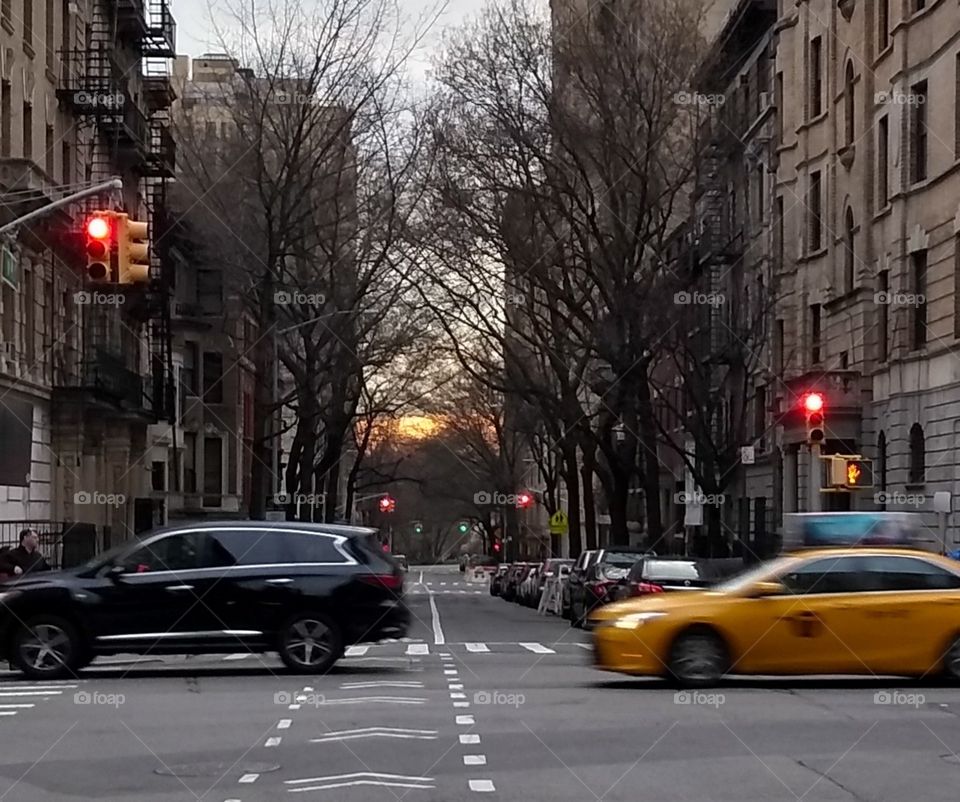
[
  {"x": 376, "y": 732},
  {"x": 359, "y": 778}
]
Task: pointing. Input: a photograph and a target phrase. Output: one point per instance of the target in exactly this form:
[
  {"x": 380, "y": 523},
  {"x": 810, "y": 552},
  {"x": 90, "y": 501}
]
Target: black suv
[{"x": 303, "y": 590}]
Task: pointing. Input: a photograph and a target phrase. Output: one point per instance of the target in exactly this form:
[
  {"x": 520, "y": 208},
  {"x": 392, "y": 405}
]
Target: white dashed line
[
  {"x": 461, "y": 704},
  {"x": 474, "y": 760},
  {"x": 465, "y": 721},
  {"x": 356, "y": 651},
  {"x": 537, "y": 648},
  {"x": 284, "y": 724},
  {"x": 249, "y": 778},
  {"x": 8, "y": 712},
  {"x": 469, "y": 738},
  {"x": 237, "y": 656},
  {"x": 458, "y": 686},
  {"x": 477, "y": 647},
  {"x": 483, "y": 786},
  {"x": 438, "y": 638},
  {"x": 273, "y": 742},
  {"x": 18, "y": 707},
  {"x": 583, "y": 645},
  {"x": 455, "y": 695},
  {"x": 294, "y": 707},
  {"x": 419, "y": 648}
]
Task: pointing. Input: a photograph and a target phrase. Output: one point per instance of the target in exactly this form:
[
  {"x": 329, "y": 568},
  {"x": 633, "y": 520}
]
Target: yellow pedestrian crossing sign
[{"x": 559, "y": 524}]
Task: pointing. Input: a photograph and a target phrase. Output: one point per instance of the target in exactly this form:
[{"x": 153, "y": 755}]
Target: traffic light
[
  {"x": 463, "y": 527},
  {"x": 524, "y": 500},
  {"x": 851, "y": 472},
  {"x": 418, "y": 528},
  {"x": 813, "y": 410},
  {"x": 388, "y": 504},
  {"x": 496, "y": 546},
  {"x": 101, "y": 233},
  {"x": 133, "y": 250}
]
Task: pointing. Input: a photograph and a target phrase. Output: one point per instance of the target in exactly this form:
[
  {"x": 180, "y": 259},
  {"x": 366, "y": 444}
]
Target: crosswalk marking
[
  {"x": 477, "y": 647},
  {"x": 238, "y": 656},
  {"x": 537, "y": 648},
  {"x": 418, "y": 648},
  {"x": 356, "y": 651}
]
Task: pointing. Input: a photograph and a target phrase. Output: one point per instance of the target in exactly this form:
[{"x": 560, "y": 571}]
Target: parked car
[
  {"x": 594, "y": 585},
  {"x": 402, "y": 561},
  {"x": 529, "y": 587},
  {"x": 303, "y": 590},
  {"x": 496, "y": 579},
  {"x": 584, "y": 561},
  {"x": 664, "y": 575},
  {"x": 511, "y": 582}
]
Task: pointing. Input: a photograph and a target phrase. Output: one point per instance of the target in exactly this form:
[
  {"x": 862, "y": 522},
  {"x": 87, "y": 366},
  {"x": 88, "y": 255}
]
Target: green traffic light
[{"x": 464, "y": 528}]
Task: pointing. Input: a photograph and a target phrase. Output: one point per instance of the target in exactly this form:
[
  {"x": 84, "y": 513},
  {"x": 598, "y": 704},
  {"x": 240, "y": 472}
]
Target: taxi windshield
[{"x": 755, "y": 574}]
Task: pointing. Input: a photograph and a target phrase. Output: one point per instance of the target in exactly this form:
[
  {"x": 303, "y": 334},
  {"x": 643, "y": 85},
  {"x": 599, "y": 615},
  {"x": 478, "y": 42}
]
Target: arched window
[
  {"x": 918, "y": 455},
  {"x": 881, "y": 477},
  {"x": 848, "y": 104},
  {"x": 849, "y": 254}
]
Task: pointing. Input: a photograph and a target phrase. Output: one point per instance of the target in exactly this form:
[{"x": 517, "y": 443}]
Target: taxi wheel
[
  {"x": 698, "y": 659},
  {"x": 951, "y": 660}
]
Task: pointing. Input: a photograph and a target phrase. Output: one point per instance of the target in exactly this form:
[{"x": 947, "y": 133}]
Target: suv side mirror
[
  {"x": 763, "y": 589},
  {"x": 116, "y": 571}
]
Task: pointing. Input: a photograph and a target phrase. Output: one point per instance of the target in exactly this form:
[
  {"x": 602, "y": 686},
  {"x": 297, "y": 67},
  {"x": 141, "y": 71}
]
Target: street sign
[
  {"x": 747, "y": 455},
  {"x": 559, "y": 523}
]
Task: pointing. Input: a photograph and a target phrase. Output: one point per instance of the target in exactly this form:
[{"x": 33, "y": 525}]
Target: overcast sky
[{"x": 195, "y": 34}]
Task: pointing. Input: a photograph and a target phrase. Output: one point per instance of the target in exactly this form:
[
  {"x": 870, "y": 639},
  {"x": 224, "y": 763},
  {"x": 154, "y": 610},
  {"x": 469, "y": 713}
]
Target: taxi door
[{"x": 812, "y": 628}]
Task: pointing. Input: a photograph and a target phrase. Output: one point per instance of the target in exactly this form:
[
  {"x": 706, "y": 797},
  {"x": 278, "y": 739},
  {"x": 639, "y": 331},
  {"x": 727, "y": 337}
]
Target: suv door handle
[
  {"x": 178, "y": 588},
  {"x": 279, "y": 581}
]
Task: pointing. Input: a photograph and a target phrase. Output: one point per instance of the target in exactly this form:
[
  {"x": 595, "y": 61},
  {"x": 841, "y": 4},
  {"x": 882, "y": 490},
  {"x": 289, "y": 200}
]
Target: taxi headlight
[{"x": 635, "y": 620}]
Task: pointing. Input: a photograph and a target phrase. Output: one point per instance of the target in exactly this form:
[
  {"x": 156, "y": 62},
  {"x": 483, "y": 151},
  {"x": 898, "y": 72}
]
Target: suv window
[
  {"x": 180, "y": 552},
  {"x": 306, "y": 548},
  {"x": 908, "y": 573},
  {"x": 827, "y": 575},
  {"x": 269, "y": 547}
]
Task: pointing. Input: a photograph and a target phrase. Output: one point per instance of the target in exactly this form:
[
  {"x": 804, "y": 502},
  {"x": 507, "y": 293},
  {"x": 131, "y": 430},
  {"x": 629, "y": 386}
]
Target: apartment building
[{"x": 84, "y": 96}]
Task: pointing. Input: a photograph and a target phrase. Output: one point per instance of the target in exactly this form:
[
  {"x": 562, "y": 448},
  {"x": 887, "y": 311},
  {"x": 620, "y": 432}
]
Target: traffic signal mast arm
[{"x": 43, "y": 211}]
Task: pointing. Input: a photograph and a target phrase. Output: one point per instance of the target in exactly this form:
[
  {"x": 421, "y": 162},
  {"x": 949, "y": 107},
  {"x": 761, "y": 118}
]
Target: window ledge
[
  {"x": 28, "y": 50},
  {"x": 7, "y": 25}
]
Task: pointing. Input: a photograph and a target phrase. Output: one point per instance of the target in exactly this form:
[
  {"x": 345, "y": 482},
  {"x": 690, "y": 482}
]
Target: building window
[
  {"x": 919, "y": 5},
  {"x": 849, "y": 254},
  {"x": 778, "y": 232},
  {"x": 50, "y": 148},
  {"x": 158, "y": 475},
  {"x": 815, "y": 334},
  {"x": 956, "y": 109},
  {"x": 49, "y": 30},
  {"x": 212, "y": 377},
  {"x": 6, "y": 13},
  {"x": 816, "y": 76},
  {"x": 66, "y": 168},
  {"x": 883, "y": 25},
  {"x": 761, "y": 193},
  {"x": 210, "y": 291},
  {"x": 918, "y": 130},
  {"x": 918, "y": 265},
  {"x": 883, "y": 312},
  {"x": 760, "y": 419},
  {"x": 189, "y": 462},
  {"x": 883, "y": 161},
  {"x": 28, "y": 22},
  {"x": 6, "y": 115},
  {"x": 849, "y": 105},
  {"x": 815, "y": 211},
  {"x": 918, "y": 455},
  {"x": 956, "y": 286},
  {"x": 189, "y": 375},
  {"x": 778, "y": 100},
  {"x": 212, "y": 472},
  {"x": 780, "y": 347},
  {"x": 27, "y": 131},
  {"x": 881, "y": 477}
]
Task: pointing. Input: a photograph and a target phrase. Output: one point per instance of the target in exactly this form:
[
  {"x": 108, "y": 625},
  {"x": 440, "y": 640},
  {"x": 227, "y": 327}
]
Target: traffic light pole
[
  {"x": 43, "y": 211},
  {"x": 816, "y": 500}
]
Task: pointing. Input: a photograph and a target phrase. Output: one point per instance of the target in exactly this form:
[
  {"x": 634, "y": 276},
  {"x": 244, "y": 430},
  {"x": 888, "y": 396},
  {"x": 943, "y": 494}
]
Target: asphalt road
[{"x": 485, "y": 699}]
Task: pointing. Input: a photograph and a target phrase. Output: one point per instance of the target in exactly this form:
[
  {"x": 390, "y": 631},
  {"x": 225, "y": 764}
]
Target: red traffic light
[
  {"x": 813, "y": 402},
  {"x": 524, "y": 500},
  {"x": 98, "y": 228},
  {"x": 496, "y": 545},
  {"x": 388, "y": 504}
]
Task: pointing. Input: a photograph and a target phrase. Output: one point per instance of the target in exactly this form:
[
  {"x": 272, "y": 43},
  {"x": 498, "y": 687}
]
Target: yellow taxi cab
[{"x": 869, "y": 608}]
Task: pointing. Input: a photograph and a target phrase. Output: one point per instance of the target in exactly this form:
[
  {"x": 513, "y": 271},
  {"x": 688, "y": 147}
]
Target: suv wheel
[
  {"x": 698, "y": 659},
  {"x": 310, "y": 643},
  {"x": 951, "y": 660},
  {"x": 47, "y": 647}
]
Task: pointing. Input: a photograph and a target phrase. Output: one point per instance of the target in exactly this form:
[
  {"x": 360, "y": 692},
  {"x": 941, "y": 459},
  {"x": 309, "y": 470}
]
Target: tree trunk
[
  {"x": 571, "y": 478},
  {"x": 618, "y": 503},
  {"x": 589, "y": 502},
  {"x": 651, "y": 465}
]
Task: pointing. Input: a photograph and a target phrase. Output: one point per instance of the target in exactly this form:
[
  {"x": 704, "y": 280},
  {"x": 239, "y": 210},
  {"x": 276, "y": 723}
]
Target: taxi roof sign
[{"x": 812, "y": 530}]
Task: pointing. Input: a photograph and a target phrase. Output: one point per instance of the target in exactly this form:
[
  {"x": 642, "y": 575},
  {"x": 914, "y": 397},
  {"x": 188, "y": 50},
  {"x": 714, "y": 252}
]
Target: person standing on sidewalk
[{"x": 24, "y": 559}]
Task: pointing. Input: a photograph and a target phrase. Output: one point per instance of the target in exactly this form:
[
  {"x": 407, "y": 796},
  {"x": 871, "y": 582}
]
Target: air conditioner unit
[{"x": 765, "y": 101}]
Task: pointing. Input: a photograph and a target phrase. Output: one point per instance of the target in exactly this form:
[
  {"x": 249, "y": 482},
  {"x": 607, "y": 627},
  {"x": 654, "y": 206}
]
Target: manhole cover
[{"x": 214, "y": 769}]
